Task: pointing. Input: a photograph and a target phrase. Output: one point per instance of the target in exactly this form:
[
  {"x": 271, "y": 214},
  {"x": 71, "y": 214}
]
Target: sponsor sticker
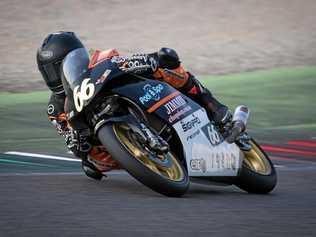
[
  {"x": 193, "y": 122},
  {"x": 193, "y": 135},
  {"x": 118, "y": 59},
  {"x": 71, "y": 114},
  {"x": 153, "y": 64},
  {"x": 103, "y": 77},
  {"x": 179, "y": 113},
  {"x": 212, "y": 134},
  {"x": 223, "y": 160},
  {"x": 174, "y": 104},
  {"x": 142, "y": 57},
  {"x": 198, "y": 165},
  {"x": 47, "y": 54},
  {"x": 152, "y": 93},
  {"x": 50, "y": 109},
  {"x": 135, "y": 63}
]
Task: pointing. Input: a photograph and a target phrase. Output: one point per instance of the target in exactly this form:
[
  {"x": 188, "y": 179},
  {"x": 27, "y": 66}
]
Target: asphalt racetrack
[{"x": 48, "y": 197}]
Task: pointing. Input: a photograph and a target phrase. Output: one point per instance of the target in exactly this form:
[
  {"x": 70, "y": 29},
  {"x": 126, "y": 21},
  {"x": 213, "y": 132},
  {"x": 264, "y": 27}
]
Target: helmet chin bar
[{"x": 52, "y": 76}]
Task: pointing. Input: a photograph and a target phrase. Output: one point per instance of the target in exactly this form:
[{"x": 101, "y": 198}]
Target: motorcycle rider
[{"x": 163, "y": 65}]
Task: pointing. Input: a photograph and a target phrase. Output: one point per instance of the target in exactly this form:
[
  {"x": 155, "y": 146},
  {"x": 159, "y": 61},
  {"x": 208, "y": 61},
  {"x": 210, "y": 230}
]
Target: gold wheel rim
[
  {"x": 256, "y": 160},
  {"x": 174, "y": 173}
]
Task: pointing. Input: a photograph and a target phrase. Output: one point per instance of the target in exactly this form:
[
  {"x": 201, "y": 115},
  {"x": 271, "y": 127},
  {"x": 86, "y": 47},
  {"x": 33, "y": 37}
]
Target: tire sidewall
[
  {"x": 253, "y": 182},
  {"x": 137, "y": 169}
]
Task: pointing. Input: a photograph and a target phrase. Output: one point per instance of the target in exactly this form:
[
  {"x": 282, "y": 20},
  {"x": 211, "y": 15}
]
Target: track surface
[{"x": 53, "y": 198}]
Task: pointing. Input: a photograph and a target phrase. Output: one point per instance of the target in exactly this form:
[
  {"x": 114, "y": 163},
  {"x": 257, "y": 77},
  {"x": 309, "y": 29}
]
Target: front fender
[
  {"x": 124, "y": 118},
  {"x": 128, "y": 119}
]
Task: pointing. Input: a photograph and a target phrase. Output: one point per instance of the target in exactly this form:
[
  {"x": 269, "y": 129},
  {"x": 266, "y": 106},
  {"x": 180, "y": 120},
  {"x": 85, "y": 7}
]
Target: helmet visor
[{"x": 75, "y": 65}]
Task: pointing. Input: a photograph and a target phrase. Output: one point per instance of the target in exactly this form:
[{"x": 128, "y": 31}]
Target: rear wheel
[
  {"x": 161, "y": 172},
  {"x": 258, "y": 174}
]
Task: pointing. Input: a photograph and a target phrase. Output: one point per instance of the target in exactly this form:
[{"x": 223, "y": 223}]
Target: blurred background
[
  {"x": 258, "y": 53},
  {"x": 261, "y": 53},
  {"x": 212, "y": 37}
]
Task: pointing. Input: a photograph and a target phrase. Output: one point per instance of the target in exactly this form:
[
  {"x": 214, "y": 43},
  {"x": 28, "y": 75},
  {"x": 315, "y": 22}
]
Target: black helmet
[{"x": 50, "y": 55}]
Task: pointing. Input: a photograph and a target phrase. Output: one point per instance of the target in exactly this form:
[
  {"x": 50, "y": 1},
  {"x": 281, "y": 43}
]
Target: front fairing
[
  {"x": 157, "y": 98},
  {"x": 205, "y": 151},
  {"x": 82, "y": 83}
]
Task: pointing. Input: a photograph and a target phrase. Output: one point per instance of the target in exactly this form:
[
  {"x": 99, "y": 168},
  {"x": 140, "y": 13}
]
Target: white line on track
[
  {"x": 116, "y": 172},
  {"x": 42, "y": 174},
  {"x": 279, "y": 166},
  {"x": 42, "y": 156}
]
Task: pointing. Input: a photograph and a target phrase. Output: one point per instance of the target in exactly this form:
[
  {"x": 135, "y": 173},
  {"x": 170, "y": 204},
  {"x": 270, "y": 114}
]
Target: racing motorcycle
[{"x": 158, "y": 135}]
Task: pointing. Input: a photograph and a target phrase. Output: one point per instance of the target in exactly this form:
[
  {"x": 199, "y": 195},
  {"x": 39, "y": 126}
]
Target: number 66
[{"x": 85, "y": 93}]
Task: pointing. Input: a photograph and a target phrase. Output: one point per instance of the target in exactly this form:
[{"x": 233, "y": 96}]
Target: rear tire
[
  {"x": 258, "y": 174},
  {"x": 157, "y": 182}
]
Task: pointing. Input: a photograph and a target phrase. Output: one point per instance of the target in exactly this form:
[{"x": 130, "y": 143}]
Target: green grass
[
  {"x": 281, "y": 103},
  {"x": 280, "y": 97},
  {"x": 24, "y": 125},
  {"x": 14, "y": 99}
]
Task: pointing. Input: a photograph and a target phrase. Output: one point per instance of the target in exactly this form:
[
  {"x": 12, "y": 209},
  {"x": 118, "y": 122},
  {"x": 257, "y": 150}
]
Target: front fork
[
  {"x": 135, "y": 119},
  {"x": 154, "y": 141},
  {"x": 149, "y": 137}
]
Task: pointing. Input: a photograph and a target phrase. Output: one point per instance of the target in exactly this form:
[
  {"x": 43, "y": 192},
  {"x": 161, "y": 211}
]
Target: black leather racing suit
[{"x": 163, "y": 65}]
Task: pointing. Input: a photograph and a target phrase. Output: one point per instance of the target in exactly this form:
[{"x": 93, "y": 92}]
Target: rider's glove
[
  {"x": 60, "y": 125},
  {"x": 168, "y": 58},
  {"x": 77, "y": 142}
]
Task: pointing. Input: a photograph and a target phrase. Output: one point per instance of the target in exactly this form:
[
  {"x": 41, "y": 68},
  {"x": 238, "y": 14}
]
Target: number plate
[
  {"x": 220, "y": 160},
  {"x": 207, "y": 154}
]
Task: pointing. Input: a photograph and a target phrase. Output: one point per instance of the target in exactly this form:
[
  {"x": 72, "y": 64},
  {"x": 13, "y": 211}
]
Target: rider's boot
[
  {"x": 216, "y": 111},
  {"x": 237, "y": 131},
  {"x": 98, "y": 162},
  {"x": 168, "y": 68}
]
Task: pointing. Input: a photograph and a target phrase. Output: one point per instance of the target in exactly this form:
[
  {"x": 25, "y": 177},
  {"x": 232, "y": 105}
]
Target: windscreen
[{"x": 75, "y": 65}]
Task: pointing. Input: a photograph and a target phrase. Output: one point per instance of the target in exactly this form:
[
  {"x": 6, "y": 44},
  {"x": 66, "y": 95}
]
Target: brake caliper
[{"x": 155, "y": 142}]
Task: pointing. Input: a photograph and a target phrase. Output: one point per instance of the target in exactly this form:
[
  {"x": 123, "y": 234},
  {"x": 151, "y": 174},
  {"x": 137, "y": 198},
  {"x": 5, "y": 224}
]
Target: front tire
[
  {"x": 258, "y": 174},
  {"x": 173, "y": 181}
]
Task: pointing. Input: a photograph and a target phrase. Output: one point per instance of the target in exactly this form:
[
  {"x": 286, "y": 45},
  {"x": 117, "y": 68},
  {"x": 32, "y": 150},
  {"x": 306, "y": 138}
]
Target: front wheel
[
  {"x": 258, "y": 174},
  {"x": 162, "y": 173}
]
